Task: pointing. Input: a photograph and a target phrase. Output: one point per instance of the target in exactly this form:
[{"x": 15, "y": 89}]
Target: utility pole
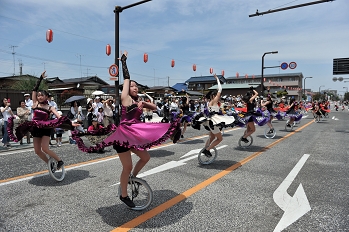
[
  {"x": 79, "y": 55},
  {"x": 20, "y": 67},
  {"x": 14, "y": 61},
  {"x": 168, "y": 81},
  {"x": 87, "y": 72}
]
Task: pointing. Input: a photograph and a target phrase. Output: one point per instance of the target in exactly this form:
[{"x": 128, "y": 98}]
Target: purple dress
[
  {"x": 39, "y": 126},
  {"x": 131, "y": 133}
]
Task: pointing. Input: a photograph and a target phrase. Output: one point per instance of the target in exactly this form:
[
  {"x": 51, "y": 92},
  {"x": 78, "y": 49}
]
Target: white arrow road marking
[
  {"x": 172, "y": 164},
  {"x": 293, "y": 207},
  {"x": 196, "y": 151}
]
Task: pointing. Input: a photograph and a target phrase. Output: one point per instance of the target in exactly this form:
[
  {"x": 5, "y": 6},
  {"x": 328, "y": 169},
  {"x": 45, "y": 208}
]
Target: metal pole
[
  {"x": 262, "y": 76},
  {"x": 288, "y": 8},
  {"x": 117, "y": 10}
]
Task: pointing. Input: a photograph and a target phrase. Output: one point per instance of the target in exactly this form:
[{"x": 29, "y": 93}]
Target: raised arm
[
  {"x": 219, "y": 90},
  {"x": 125, "y": 95},
  {"x": 36, "y": 87},
  {"x": 255, "y": 94},
  {"x": 150, "y": 98}
]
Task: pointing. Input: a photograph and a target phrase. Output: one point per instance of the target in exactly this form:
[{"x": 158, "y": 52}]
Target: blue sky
[{"x": 209, "y": 33}]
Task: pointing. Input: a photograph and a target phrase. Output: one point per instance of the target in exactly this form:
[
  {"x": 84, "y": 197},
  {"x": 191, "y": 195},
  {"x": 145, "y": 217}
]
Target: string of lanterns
[{"x": 49, "y": 38}]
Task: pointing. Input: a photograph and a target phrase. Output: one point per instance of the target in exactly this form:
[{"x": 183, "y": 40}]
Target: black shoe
[
  {"x": 288, "y": 125},
  {"x": 182, "y": 136},
  {"x": 207, "y": 153},
  {"x": 53, "y": 167},
  {"x": 270, "y": 131},
  {"x": 59, "y": 164},
  {"x": 244, "y": 140},
  {"x": 127, "y": 201}
]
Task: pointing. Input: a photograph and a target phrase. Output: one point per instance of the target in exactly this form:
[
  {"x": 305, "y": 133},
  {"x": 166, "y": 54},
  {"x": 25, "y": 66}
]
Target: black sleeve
[
  {"x": 36, "y": 87},
  {"x": 125, "y": 72}
]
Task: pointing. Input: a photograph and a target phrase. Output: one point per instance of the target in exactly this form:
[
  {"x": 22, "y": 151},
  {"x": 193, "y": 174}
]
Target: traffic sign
[
  {"x": 284, "y": 66},
  {"x": 113, "y": 70},
  {"x": 113, "y": 78},
  {"x": 292, "y": 65}
]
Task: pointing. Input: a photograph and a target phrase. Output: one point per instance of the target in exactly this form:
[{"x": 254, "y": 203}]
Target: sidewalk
[{"x": 17, "y": 146}]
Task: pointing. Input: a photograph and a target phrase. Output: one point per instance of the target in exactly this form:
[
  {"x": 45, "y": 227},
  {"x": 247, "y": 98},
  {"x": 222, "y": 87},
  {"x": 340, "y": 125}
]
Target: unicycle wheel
[
  {"x": 58, "y": 175},
  {"x": 269, "y": 135},
  {"x": 243, "y": 144},
  {"x": 204, "y": 159},
  {"x": 290, "y": 127},
  {"x": 139, "y": 192}
]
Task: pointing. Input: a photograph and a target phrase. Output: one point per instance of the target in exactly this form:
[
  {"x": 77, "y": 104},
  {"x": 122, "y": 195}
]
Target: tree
[
  {"x": 27, "y": 85},
  {"x": 346, "y": 96}
]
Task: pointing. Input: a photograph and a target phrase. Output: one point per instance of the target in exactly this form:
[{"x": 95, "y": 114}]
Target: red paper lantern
[
  {"x": 194, "y": 67},
  {"x": 246, "y": 76},
  {"x": 145, "y": 57},
  {"x": 222, "y": 72},
  {"x": 49, "y": 35},
  {"x": 211, "y": 70},
  {"x": 263, "y": 79},
  {"x": 172, "y": 63},
  {"x": 108, "y": 49},
  {"x": 237, "y": 75},
  {"x": 253, "y": 78}
]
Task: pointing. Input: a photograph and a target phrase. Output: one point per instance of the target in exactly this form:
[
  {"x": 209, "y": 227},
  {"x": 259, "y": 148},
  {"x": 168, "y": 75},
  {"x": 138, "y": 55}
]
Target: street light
[
  {"x": 304, "y": 86},
  {"x": 320, "y": 87},
  {"x": 262, "y": 76},
  {"x": 117, "y": 11}
]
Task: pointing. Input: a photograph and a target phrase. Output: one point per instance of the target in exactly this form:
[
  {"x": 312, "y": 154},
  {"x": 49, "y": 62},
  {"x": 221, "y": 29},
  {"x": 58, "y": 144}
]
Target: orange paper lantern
[
  {"x": 237, "y": 75},
  {"x": 246, "y": 76},
  {"x": 211, "y": 70},
  {"x": 145, "y": 57},
  {"x": 194, "y": 67},
  {"x": 49, "y": 35},
  {"x": 172, "y": 63},
  {"x": 222, "y": 72},
  {"x": 108, "y": 50}
]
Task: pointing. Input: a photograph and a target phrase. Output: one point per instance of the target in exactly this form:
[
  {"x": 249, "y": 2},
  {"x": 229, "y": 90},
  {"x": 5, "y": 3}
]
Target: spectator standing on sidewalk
[
  {"x": 6, "y": 113},
  {"x": 108, "y": 109},
  {"x": 23, "y": 113},
  {"x": 89, "y": 110},
  {"x": 52, "y": 103}
]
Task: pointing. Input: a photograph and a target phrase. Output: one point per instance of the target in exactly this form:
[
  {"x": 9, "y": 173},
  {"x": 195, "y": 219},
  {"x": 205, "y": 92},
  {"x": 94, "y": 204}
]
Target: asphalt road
[{"x": 297, "y": 181}]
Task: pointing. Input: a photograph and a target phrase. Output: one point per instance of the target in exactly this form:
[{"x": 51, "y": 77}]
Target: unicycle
[
  {"x": 58, "y": 175},
  {"x": 289, "y": 128},
  {"x": 317, "y": 118},
  {"x": 269, "y": 135},
  {"x": 243, "y": 144},
  {"x": 204, "y": 159},
  {"x": 140, "y": 193}
]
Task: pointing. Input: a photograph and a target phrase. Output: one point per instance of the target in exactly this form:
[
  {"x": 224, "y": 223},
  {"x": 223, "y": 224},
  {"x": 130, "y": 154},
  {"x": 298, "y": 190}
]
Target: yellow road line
[
  {"x": 95, "y": 160},
  {"x": 168, "y": 204},
  {"x": 43, "y": 172}
]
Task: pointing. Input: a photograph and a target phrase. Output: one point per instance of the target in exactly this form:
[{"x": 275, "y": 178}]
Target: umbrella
[
  {"x": 74, "y": 98},
  {"x": 97, "y": 92}
]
